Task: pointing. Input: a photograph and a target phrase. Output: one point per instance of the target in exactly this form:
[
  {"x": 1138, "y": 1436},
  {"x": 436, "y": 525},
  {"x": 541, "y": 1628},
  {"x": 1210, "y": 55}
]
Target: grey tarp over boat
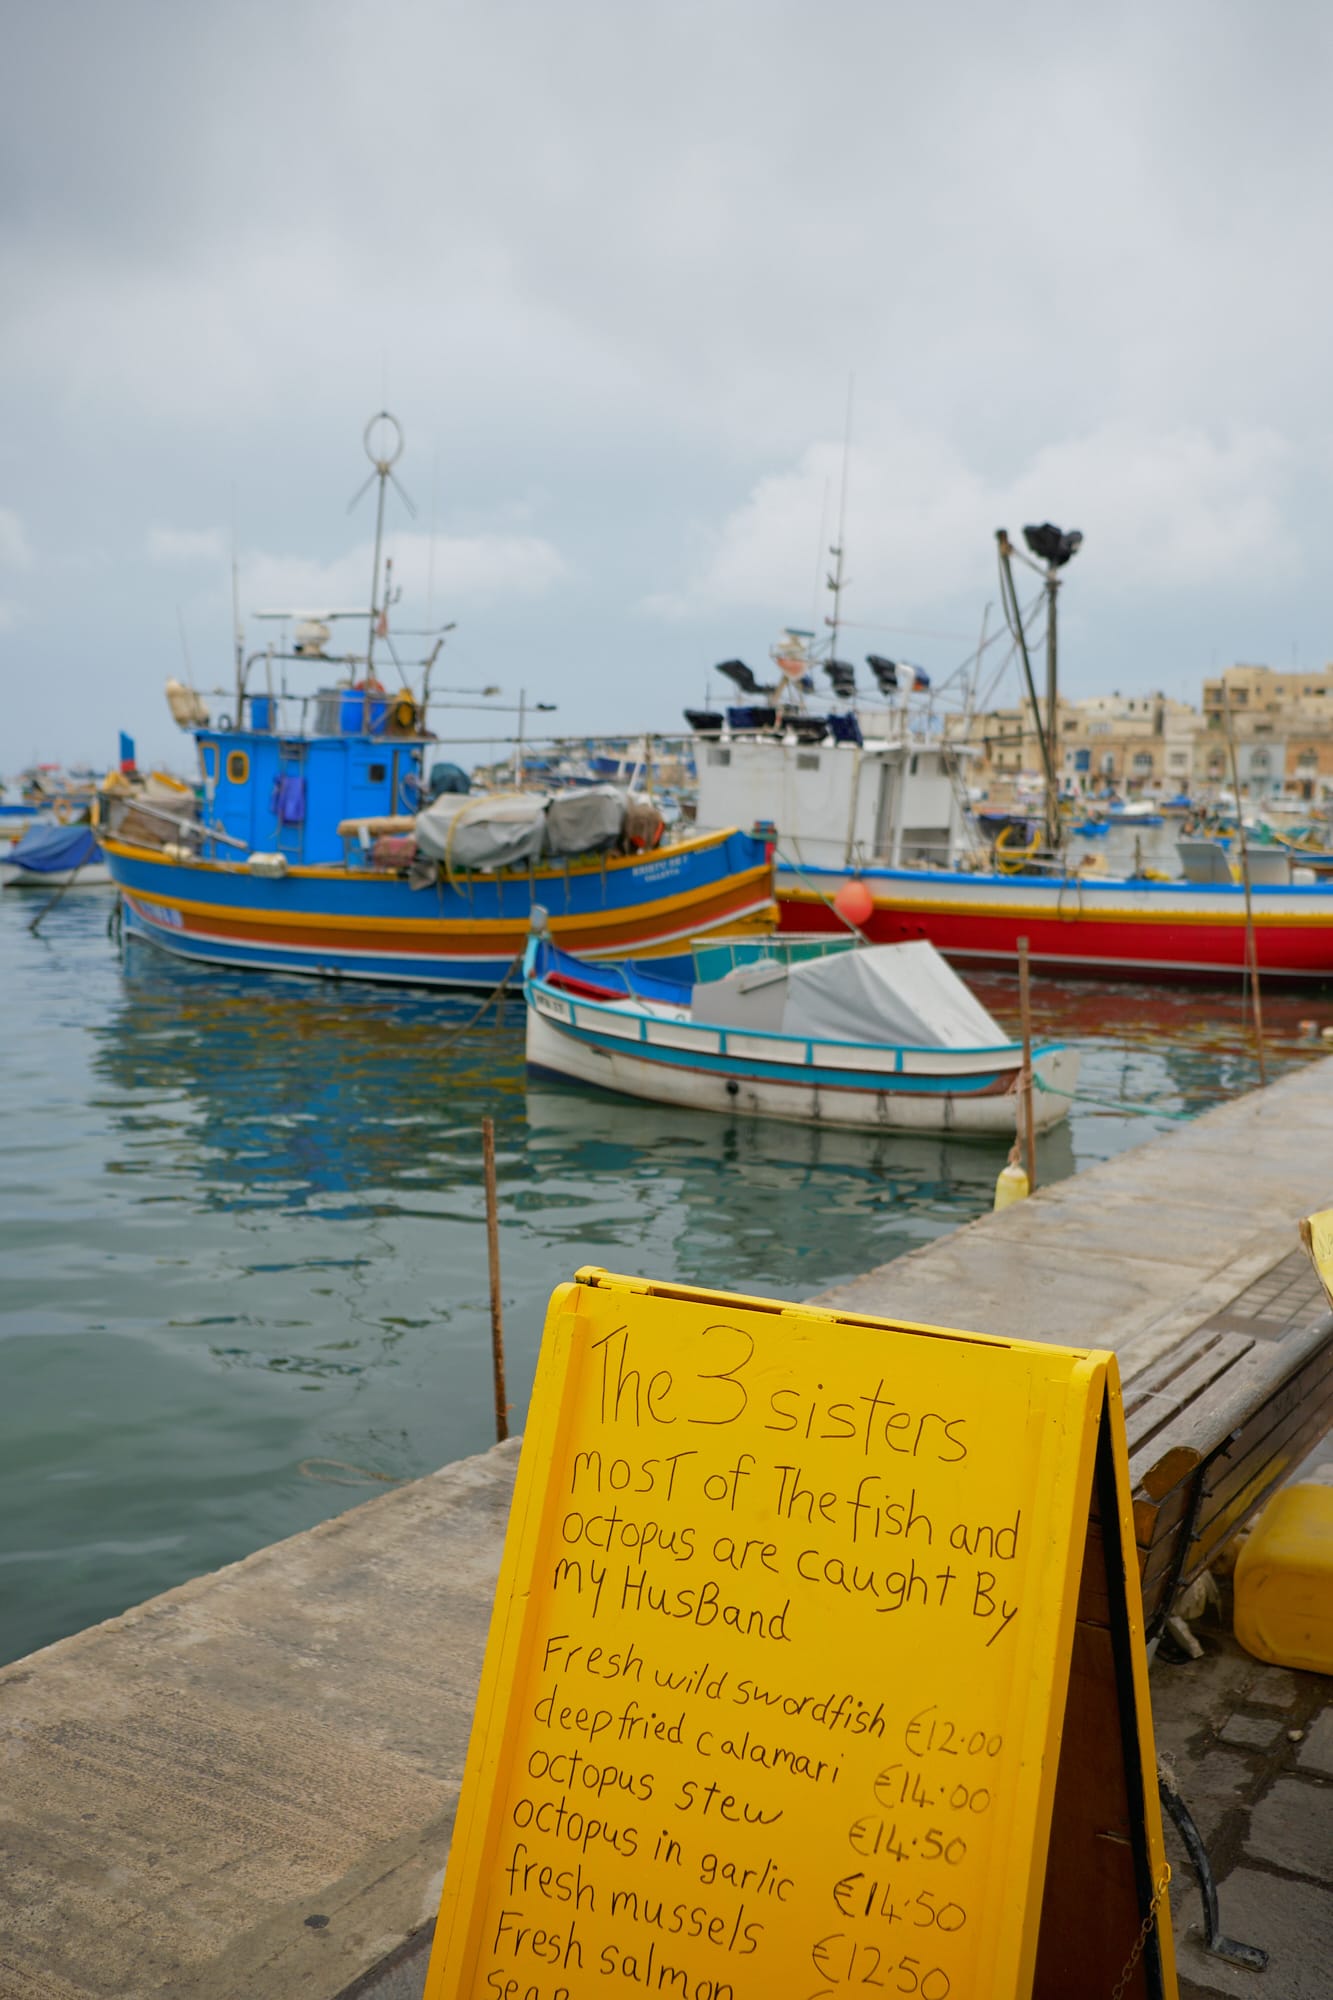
[
  {"x": 897, "y": 994},
  {"x": 585, "y": 820},
  {"x": 519, "y": 827}
]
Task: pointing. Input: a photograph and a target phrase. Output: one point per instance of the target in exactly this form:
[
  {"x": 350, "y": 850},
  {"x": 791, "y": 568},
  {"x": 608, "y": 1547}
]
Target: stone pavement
[
  {"x": 1251, "y": 1751},
  {"x": 1250, "y": 1748}
]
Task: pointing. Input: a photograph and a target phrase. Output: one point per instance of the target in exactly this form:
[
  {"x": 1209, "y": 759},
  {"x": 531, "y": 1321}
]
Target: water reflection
[
  {"x": 241, "y": 1231},
  {"x": 773, "y": 1204}
]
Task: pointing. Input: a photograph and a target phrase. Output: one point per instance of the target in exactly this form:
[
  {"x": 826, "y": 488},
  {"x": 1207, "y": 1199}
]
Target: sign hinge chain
[{"x": 1163, "y": 1884}]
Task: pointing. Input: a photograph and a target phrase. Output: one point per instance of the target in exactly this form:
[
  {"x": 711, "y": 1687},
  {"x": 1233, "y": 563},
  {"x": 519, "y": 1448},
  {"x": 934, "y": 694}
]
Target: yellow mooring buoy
[{"x": 1012, "y": 1183}]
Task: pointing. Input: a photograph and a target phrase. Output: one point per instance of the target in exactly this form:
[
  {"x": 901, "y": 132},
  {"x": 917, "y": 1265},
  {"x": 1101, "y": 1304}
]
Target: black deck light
[
  {"x": 843, "y": 678},
  {"x": 885, "y": 672},
  {"x": 737, "y": 672},
  {"x": 1053, "y": 545}
]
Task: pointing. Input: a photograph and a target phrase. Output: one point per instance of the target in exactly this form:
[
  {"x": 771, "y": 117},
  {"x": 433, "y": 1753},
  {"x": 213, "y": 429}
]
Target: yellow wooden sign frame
[{"x": 956, "y": 1890}]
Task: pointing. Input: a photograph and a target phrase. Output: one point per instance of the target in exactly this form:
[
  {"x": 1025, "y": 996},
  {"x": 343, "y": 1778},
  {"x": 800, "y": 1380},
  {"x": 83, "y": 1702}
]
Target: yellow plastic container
[
  {"x": 1284, "y": 1581},
  {"x": 1011, "y": 1186}
]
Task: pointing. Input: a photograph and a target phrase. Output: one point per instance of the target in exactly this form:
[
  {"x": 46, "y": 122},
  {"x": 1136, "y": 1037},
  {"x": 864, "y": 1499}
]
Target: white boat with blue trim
[{"x": 885, "y": 1037}]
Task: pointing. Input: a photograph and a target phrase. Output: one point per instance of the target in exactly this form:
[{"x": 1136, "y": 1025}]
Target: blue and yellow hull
[{"x": 357, "y": 923}]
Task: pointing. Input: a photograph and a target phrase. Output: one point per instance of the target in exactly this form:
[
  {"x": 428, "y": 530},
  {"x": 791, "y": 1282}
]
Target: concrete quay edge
[{"x": 245, "y": 1787}]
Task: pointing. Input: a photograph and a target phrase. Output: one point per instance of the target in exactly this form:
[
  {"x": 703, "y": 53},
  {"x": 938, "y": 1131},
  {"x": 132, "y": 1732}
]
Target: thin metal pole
[
  {"x": 1025, "y": 1014},
  {"x": 493, "y": 1254},
  {"x": 382, "y": 471},
  {"x": 518, "y": 753},
  {"x": 1251, "y": 941},
  {"x": 1052, "y": 703}
]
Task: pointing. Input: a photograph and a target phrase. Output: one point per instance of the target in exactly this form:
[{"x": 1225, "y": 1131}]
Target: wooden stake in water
[
  {"x": 493, "y": 1252},
  {"x": 1025, "y": 1013}
]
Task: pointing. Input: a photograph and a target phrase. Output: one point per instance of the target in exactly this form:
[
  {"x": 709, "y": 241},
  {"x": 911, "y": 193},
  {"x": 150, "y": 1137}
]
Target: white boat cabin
[{"x": 886, "y": 802}]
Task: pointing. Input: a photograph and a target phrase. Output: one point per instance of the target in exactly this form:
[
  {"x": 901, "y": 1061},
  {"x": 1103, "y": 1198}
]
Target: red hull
[{"x": 1156, "y": 943}]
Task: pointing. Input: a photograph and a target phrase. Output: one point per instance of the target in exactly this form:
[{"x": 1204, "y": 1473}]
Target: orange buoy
[{"x": 854, "y": 902}]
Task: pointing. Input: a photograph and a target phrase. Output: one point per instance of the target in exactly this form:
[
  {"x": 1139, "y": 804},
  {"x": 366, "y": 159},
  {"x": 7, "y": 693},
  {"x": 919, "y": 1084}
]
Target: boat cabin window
[
  {"x": 238, "y": 767},
  {"x": 377, "y": 773},
  {"x": 806, "y": 761},
  {"x": 208, "y": 760},
  {"x": 716, "y": 756}
]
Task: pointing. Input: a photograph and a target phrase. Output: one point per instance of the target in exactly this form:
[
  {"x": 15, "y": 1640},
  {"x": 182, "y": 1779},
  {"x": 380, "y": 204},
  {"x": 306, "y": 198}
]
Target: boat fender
[
  {"x": 1011, "y": 1185},
  {"x": 1010, "y": 857}
]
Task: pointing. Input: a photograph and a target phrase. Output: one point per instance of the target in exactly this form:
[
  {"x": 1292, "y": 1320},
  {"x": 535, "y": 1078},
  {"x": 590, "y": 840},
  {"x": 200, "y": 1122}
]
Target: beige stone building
[
  {"x": 1132, "y": 744},
  {"x": 1283, "y": 728},
  {"x": 1135, "y": 744},
  {"x": 1151, "y": 746}
]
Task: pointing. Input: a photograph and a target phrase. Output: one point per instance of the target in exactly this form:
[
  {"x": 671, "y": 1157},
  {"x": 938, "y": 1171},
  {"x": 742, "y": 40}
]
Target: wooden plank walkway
[{"x": 1183, "y": 1257}]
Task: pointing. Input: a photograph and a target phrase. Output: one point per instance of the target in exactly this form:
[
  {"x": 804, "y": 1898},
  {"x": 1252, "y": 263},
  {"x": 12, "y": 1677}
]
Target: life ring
[{"x": 1010, "y": 858}]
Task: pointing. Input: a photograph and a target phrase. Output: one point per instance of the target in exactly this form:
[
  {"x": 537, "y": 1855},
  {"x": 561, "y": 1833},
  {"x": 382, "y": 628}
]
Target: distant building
[
  {"x": 1130, "y": 744},
  {"x": 1149, "y": 745},
  {"x": 1283, "y": 728},
  {"x": 1133, "y": 744}
]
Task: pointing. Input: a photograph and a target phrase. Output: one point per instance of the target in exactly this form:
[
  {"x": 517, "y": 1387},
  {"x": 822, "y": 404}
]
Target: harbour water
[{"x": 242, "y": 1242}]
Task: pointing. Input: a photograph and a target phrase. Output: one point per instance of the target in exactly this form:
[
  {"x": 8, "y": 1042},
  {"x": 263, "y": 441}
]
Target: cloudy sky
[{"x": 613, "y": 266}]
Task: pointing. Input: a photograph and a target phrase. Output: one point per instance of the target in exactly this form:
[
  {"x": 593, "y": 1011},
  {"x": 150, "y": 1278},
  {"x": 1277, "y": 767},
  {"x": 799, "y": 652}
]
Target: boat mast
[
  {"x": 1014, "y": 617},
  {"x": 1052, "y": 704},
  {"x": 1054, "y": 547},
  {"x": 837, "y": 582}
]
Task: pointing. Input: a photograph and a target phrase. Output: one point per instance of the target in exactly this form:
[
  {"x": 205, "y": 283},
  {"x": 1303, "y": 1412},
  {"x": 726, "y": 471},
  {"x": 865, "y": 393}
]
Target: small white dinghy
[
  {"x": 55, "y": 857},
  {"x": 817, "y": 1030}
]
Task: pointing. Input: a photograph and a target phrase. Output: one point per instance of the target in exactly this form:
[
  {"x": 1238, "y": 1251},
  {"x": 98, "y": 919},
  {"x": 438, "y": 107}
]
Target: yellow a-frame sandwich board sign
[{"x": 816, "y": 1671}]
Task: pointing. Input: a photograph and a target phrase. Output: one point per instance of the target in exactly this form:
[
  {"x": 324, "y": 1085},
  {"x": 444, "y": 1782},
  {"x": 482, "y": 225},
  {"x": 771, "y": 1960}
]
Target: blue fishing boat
[
  {"x": 820, "y": 1031},
  {"x": 333, "y": 841}
]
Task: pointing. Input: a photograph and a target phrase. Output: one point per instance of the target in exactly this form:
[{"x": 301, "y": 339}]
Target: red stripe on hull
[{"x": 1110, "y": 948}]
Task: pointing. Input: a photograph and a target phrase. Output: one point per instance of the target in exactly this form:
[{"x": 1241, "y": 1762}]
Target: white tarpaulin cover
[
  {"x": 898, "y": 993},
  {"x": 902, "y": 995}
]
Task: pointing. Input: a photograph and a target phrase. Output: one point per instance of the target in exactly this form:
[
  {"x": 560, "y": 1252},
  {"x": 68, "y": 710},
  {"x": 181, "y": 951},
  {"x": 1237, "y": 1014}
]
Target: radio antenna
[{"x": 383, "y": 440}]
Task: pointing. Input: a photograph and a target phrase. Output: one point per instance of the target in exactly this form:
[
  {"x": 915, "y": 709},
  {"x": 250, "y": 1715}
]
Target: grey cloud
[{"x": 613, "y": 265}]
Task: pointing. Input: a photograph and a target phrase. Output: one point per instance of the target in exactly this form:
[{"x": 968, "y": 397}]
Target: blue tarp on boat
[{"x": 50, "y": 850}]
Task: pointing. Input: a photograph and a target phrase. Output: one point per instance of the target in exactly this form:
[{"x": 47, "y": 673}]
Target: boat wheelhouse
[{"x": 315, "y": 848}]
